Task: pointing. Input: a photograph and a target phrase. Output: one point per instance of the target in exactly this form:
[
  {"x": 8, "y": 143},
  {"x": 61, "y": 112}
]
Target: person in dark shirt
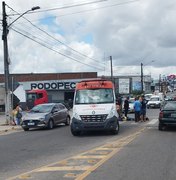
[
  {"x": 126, "y": 107},
  {"x": 143, "y": 108}
]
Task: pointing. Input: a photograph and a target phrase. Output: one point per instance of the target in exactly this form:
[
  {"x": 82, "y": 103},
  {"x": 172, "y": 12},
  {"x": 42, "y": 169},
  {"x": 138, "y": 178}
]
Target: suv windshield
[{"x": 94, "y": 96}]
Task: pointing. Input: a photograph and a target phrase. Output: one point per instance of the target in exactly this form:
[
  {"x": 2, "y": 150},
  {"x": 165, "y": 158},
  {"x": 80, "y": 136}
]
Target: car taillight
[{"x": 160, "y": 115}]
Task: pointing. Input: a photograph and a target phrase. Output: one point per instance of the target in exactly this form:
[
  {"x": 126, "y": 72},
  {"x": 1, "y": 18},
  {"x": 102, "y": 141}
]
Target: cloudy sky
[{"x": 81, "y": 35}]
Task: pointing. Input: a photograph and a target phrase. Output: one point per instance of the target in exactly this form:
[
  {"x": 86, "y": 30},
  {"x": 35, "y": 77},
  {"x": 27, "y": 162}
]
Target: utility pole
[
  {"x": 6, "y": 58},
  {"x": 111, "y": 68},
  {"x": 159, "y": 82},
  {"x": 142, "y": 76},
  {"x": 6, "y": 64}
]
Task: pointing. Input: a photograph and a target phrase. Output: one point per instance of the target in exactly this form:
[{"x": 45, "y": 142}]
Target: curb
[{"x": 9, "y": 128}]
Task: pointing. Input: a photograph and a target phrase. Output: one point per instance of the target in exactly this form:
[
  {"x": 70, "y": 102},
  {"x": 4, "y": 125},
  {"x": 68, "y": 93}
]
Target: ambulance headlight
[
  {"x": 76, "y": 116},
  {"x": 111, "y": 113}
]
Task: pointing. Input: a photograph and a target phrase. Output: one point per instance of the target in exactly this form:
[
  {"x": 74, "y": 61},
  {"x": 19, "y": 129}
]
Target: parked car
[
  {"x": 46, "y": 115},
  {"x": 167, "y": 115}
]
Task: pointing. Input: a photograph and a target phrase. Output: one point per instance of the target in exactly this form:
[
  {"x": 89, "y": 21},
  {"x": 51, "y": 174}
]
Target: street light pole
[
  {"x": 142, "y": 76},
  {"x": 111, "y": 68},
  {"x": 6, "y": 64},
  {"x": 6, "y": 58}
]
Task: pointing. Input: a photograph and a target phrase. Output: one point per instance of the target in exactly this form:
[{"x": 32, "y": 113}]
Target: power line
[
  {"x": 55, "y": 38},
  {"x": 65, "y": 7},
  {"x": 89, "y": 10},
  {"x": 53, "y": 49}
]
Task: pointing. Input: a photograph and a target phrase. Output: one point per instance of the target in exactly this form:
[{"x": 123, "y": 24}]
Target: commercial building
[{"x": 60, "y": 86}]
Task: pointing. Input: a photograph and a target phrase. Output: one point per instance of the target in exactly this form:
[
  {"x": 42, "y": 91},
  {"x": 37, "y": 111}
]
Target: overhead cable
[
  {"x": 55, "y": 38},
  {"x": 54, "y": 49}
]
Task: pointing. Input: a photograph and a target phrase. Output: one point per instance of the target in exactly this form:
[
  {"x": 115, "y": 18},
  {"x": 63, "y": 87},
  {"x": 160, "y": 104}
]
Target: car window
[
  {"x": 131, "y": 101},
  {"x": 61, "y": 106},
  {"x": 55, "y": 108},
  {"x": 170, "y": 105}
]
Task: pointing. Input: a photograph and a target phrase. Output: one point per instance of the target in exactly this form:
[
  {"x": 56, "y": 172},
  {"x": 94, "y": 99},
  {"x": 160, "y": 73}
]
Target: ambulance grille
[{"x": 94, "y": 118}]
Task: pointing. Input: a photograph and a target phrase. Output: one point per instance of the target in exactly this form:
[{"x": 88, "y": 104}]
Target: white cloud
[{"x": 131, "y": 33}]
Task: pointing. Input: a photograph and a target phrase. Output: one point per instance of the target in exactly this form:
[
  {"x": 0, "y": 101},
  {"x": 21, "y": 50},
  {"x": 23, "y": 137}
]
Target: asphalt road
[{"x": 145, "y": 153}]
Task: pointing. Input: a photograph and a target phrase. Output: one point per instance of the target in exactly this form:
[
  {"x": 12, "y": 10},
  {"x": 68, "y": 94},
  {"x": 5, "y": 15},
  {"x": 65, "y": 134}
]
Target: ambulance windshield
[{"x": 94, "y": 96}]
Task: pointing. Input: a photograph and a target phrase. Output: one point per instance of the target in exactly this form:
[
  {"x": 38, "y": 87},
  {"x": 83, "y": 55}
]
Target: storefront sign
[{"x": 54, "y": 85}]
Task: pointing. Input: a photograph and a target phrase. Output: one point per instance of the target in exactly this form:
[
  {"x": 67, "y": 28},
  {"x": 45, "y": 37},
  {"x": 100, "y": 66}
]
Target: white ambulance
[{"x": 94, "y": 107}]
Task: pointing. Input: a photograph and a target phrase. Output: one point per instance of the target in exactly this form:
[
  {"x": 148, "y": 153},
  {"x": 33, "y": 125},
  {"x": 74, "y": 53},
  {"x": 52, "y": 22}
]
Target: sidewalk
[{"x": 5, "y": 127}]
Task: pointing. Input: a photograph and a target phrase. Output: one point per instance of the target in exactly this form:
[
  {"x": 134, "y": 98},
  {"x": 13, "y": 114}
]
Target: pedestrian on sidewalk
[
  {"x": 17, "y": 114},
  {"x": 137, "y": 109}
]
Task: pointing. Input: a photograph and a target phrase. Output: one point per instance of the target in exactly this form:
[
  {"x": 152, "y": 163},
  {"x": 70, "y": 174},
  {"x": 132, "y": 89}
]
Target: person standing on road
[
  {"x": 143, "y": 108},
  {"x": 137, "y": 109},
  {"x": 119, "y": 106},
  {"x": 126, "y": 107}
]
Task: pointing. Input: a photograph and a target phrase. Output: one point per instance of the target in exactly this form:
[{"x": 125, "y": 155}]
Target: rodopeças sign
[{"x": 54, "y": 85}]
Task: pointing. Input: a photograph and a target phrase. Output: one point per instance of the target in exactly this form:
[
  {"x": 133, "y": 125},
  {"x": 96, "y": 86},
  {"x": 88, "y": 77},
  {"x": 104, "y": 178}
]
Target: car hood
[
  {"x": 32, "y": 115},
  {"x": 153, "y": 102}
]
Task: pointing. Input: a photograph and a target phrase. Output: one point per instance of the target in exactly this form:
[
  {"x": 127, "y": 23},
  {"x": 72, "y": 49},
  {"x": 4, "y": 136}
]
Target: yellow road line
[
  {"x": 88, "y": 157},
  {"x": 64, "y": 168},
  {"x": 95, "y": 158}
]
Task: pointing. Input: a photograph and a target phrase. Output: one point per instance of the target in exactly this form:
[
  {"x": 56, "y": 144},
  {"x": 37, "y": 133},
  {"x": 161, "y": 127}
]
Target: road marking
[
  {"x": 80, "y": 166},
  {"x": 152, "y": 122}
]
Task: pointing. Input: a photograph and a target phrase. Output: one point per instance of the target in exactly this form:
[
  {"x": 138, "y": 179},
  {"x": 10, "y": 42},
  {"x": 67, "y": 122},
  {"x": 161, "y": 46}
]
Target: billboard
[
  {"x": 124, "y": 86},
  {"x": 137, "y": 86}
]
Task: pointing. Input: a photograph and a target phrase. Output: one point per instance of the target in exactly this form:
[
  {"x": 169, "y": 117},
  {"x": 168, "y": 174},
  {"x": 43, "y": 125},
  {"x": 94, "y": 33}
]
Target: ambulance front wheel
[
  {"x": 116, "y": 131},
  {"x": 75, "y": 133}
]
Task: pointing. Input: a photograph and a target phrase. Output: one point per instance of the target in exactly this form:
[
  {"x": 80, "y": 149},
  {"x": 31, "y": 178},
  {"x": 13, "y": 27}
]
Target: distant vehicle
[
  {"x": 168, "y": 98},
  {"x": 148, "y": 96},
  {"x": 155, "y": 102},
  {"x": 35, "y": 97},
  {"x": 167, "y": 115},
  {"x": 45, "y": 116},
  {"x": 131, "y": 105},
  {"x": 94, "y": 107}
]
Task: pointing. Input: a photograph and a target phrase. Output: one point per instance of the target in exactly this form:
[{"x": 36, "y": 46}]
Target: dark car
[
  {"x": 167, "y": 115},
  {"x": 46, "y": 116}
]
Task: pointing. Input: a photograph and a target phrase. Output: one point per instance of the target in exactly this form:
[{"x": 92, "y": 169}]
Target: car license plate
[{"x": 31, "y": 123}]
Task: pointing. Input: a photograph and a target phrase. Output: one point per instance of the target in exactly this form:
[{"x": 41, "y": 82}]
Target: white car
[{"x": 154, "y": 102}]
